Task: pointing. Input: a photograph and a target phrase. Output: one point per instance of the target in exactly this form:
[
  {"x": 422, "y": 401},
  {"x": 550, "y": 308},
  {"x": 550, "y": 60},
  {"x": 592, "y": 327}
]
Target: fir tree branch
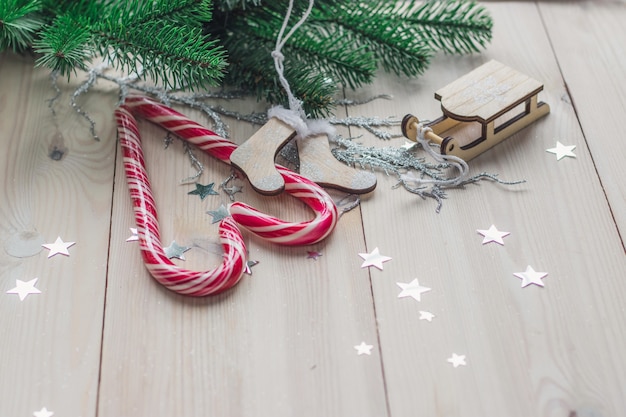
[
  {"x": 451, "y": 26},
  {"x": 19, "y": 21},
  {"x": 155, "y": 39}
]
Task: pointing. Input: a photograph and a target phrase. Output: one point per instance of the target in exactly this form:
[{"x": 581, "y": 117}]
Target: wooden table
[{"x": 104, "y": 339}]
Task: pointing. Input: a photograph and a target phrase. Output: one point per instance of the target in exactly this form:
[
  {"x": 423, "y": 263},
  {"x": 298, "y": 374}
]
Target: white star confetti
[
  {"x": 374, "y": 259},
  {"x": 457, "y": 360},
  {"x": 561, "y": 151},
  {"x": 174, "y": 250},
  {"x": 493, "y": 235},
  {"x": 134, "y": 236},
  {"x": 363, "y": 349},
  {"x": 24, "y": 289},
  {"x": 43, "y": 413},
  {"x": 426, "y": 315},
  {"x": 530, "y": 276},
  {"x": 412, "y": 289},
  {"x": 58, "y": 247}
]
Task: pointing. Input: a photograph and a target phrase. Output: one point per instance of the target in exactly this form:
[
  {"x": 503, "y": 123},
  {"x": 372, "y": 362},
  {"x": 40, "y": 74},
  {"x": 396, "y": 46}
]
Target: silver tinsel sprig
[{"x": 407, "y": 167}]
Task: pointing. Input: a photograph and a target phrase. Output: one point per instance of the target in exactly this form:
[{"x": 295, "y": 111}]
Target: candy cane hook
[
  {"x": 177, "y": 279},
  {"x": 263, "y": 225}
]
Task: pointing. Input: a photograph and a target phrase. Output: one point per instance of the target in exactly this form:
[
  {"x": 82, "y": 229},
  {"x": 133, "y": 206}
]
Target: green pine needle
[{"x": 19, "y": 22}]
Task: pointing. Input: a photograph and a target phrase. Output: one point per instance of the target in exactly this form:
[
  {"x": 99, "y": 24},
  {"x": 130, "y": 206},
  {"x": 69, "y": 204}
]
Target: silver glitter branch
[{"x": 404, "y": 165}]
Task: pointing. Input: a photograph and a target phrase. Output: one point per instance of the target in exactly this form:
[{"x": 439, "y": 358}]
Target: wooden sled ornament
[
  {"x": 480, "y": 110},
  {"x": 255, "y": 159}
]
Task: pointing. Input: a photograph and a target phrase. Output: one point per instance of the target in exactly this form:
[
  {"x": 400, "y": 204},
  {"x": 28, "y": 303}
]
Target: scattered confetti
[
  {"x": 530, "y": 276},
  {"x": 249, "y": 265},
  {"x": 58, "y": 247},
  {"x": 24, "y": 289},
  {"x": 426, "y": 315},
  {"x": 493, "y": 235},
  {"x": 374, "y": 259},
  {"x": 203, "y": 190},
  {"x": 457, "y": 360},
  {"x": 43, "y": 413},
  {"x": 174, "y": 250},
  {"x": 561, "y": 151},
  {"x": 412, "y": 289},
  {"x": 313, "y": 255},
  {"x": 363, "y": 349},
  {"x": 134, "y": 236},
  {"x": 219, "y": 214}
]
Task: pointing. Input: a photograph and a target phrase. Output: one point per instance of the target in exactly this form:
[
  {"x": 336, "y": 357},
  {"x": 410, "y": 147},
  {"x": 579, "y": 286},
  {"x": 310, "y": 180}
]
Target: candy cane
[
  {"x": 263, "y": 225},
  {"x": 286, "y": 233},
  {"x": 180, "y": 280}
]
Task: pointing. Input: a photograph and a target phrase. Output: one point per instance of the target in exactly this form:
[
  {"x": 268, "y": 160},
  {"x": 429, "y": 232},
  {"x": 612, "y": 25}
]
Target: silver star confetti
[
  {"x": 530, "y": 276},
  {"x": 134, "y": 237},
  {"x": 174, "y": 250},
  {"x": 58, "y": 247},
  {"x": 24, "y": 289},
  {"x": 561, "y": 151},
  {"x": 493, "y": 235},
  {"x": 363, "y": 349},
  {"x": 204, "y": 190},
  {"x": 426, "y": 315},
  {"x": 44, "y": 412},
  {"x": 457, "y": 360},
  {"x": 412, "y": 289},
  {"x": 219, "y": 214},
  {"x": 249, "y": 265},
  {"x": 373, "y": 259}
]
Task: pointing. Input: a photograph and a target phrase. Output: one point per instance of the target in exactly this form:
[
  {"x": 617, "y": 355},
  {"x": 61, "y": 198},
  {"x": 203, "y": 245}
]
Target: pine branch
[
  {"x": 19, "y": 22},
  {"x": 451, "y": 26},
  {"x": 163, "y": 40}
]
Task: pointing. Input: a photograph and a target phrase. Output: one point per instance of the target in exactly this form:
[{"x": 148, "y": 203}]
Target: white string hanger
[{"x": 295, "y": 115}]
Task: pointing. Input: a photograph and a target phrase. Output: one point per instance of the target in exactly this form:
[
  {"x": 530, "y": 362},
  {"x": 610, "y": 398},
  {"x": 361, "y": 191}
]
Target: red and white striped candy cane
[
  {"x": 182, "y": 281},
  {"x": 263, "y": 225},
  {"x": 286, "y": 233}
]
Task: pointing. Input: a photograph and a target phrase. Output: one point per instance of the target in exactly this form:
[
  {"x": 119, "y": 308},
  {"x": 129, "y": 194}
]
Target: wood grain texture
[
  {"x": 105, "y": 339},
  {"x": 50, "y": 350},
  {"x": 530, "y": 351},
  {"x": 588, "y": 43}
]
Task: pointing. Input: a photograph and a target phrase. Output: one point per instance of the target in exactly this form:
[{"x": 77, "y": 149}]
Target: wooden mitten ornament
[
  {"x": 480, "y": 110},
  {"x": 318, "y": 164}
]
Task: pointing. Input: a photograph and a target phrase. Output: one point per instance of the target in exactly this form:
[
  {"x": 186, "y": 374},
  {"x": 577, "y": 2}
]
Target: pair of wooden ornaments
[{"x": 480, "y": 110}]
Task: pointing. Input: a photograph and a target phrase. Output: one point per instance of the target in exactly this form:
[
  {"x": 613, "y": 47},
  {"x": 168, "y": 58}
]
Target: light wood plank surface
[{"x": 104, "y": 339}]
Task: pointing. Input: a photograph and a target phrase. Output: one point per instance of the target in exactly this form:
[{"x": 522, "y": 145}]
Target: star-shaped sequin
[
  {"x": 530, "y": 276},
  {"x": 373, "y": 259},
  {"x": 134, "y": 236},
  {"x": 426, "y": 315},
  {"x": 561, "y": 151},
  {"x": 219, "y": 214},
  {"x": 249, "y": 265},
  {"x": 204, "y": 190},
  {"x": 412, "y": 289},
  {"x": 363, "y": 349},
  {"x": 58, "y": 247},
  {"x": 44, "y": 412},
  {"x": 174, "y": 250},
  {"x": 457, "y": 360},
  {"x": 24, "y": 288},
  {"x": 315, "y": 255},
  {"x": 493, "y": 235}
]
